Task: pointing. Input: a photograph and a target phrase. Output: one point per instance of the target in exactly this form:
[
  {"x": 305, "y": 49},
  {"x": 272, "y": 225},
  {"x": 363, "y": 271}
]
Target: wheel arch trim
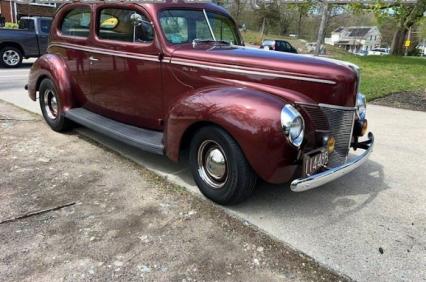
[{"x": 54, "y": 68}]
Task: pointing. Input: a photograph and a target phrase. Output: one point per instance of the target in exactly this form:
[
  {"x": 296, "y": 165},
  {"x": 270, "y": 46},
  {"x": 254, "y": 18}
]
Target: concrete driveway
[{"x": 369, "y": 225}]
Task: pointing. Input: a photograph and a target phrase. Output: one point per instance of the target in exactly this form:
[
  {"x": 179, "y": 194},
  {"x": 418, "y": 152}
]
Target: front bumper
[{"x": 313, "y": 181}]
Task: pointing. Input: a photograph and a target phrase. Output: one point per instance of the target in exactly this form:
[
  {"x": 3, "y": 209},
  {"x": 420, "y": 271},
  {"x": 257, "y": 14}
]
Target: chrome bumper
[{"x": 313, "y": 181}]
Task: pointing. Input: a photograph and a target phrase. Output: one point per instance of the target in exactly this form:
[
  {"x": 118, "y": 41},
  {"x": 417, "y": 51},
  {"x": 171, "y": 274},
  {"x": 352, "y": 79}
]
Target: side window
[
  {"x": 223, "y": 28},
  {"x": 76, "y": 22},
  {"x": 124, "y": 25},
  {"x": 45, "y": 25}
]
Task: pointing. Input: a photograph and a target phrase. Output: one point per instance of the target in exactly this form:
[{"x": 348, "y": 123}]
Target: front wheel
[
  {"x": 51, "y": 107},
  {"x": 219, "y": 167},
  {"x": 11, "y": 57}
]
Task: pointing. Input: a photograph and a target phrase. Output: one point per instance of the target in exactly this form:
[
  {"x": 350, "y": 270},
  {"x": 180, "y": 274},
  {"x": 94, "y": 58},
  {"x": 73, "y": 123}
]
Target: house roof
[
  {"x": 359, "y": 32},
  {"x": 354, "y": 31}
]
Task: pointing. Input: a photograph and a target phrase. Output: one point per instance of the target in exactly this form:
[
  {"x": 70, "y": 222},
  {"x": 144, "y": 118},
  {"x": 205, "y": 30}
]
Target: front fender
[
  {"x": 52, "y": 67},
  {"x": 251, "y": 117}
]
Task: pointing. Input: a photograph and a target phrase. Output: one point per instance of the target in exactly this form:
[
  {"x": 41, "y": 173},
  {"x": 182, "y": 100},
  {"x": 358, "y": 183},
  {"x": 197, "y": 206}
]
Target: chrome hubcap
[
  {"x": 11, "y": 57},
  {"x": 50, "y": 104},
  {"x": 212, "y": 164}
]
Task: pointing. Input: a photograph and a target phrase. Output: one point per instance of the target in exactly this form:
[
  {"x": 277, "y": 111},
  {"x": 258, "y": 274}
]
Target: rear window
[
  {"x": 76, "y": 22},
  {"x": 27, "y": 24}
]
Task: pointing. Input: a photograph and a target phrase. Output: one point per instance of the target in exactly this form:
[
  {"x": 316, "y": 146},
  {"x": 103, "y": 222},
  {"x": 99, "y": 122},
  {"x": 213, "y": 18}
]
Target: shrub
[{"x": 11, "y": 25}]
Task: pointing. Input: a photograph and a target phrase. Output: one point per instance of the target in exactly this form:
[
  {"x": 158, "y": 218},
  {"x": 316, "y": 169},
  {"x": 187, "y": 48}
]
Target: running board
[{"x": 147, "y": 140}]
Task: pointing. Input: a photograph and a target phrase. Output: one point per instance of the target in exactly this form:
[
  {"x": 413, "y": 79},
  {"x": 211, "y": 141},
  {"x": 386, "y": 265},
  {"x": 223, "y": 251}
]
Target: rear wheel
[
  {"x": 51, "y": 107},
  {"x": 219, "y": 167},
  {"x": 10, "y": 57}
]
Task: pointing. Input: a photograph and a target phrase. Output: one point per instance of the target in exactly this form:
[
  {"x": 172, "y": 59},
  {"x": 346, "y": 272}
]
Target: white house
[{"x": 356, "y": 38}]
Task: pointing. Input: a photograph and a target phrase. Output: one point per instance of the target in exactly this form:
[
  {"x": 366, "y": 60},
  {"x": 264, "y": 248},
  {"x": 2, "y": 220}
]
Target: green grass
[
  {"x": 380, "y": 75},
  {"x": 384, "y": 75}
]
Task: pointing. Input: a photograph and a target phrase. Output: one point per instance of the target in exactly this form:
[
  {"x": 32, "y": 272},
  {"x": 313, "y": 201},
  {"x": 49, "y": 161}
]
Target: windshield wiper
[{"x": 197, "y": 41}]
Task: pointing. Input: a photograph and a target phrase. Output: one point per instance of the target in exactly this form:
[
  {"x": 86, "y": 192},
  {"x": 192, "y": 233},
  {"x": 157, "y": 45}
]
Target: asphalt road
[{"x": 369, "y": 225}]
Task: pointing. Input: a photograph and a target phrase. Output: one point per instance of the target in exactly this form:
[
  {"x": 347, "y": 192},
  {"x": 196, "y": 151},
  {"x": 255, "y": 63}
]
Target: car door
[
  {"x": 69, "y": 38},
  {"x": 125, "y": 69},
  {"x": 43, "y": 34}
]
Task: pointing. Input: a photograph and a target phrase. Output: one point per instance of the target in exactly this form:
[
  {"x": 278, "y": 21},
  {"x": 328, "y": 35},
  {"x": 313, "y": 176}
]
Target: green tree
[{"x": 405, "y": 14}]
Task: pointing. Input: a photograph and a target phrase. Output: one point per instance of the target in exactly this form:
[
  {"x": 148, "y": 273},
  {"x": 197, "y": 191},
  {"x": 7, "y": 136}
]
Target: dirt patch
[
  {"x": 406, "y": 100},
  {"x": 127, "y": 223}
]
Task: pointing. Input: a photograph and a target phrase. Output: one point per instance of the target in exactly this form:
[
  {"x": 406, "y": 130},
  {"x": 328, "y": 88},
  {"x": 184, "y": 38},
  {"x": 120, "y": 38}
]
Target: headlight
[
  {"x": 361, "y": 106},
  {"x": 292, "y": 124}
]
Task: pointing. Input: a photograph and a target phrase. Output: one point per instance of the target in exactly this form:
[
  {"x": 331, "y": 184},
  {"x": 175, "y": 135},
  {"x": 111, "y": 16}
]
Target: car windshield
[{"x": 185, "y": 26}]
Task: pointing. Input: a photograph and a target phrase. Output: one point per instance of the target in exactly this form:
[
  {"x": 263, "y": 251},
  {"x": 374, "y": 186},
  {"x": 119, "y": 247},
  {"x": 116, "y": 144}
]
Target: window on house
[
  {"x": 76, "y": 22},
  {"x": 42, "y": 3}
]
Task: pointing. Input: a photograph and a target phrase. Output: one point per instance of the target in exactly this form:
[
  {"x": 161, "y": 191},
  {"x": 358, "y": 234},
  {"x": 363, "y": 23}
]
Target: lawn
[
  {"x": 384, "y": 75},
  {"x": 380, "y": 75}
]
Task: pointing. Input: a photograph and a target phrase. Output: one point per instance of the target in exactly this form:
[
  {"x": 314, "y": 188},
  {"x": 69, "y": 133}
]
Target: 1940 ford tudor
[{"x": 175, "y": 79}]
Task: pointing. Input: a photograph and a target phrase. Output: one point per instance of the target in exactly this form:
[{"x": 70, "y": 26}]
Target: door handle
[{"x": 93, "y": 59}]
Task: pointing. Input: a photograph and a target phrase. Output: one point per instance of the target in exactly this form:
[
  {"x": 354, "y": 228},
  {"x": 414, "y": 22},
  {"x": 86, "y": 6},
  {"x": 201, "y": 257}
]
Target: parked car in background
[
  {"x": 378, "y": 52},
  {"x": 29, "y": 40},
  {"x": 362, "y": 53},
  {"x": 278, "y": 45},
  {"x": 422, "y": 49},
  {"x": 143, "y": 74}
]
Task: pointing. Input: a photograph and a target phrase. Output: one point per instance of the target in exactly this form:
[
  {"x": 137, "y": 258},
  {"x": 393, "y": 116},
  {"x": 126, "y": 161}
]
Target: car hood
[{"x": 322, "y": 80}]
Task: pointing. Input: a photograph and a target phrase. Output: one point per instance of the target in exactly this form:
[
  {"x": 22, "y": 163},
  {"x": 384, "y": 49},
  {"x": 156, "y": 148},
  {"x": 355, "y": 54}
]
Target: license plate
[{"x": 314, "y": 161}]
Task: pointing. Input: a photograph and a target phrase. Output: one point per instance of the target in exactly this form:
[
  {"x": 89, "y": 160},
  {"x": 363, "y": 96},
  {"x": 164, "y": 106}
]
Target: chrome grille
[{"x": 341, "y": 122}]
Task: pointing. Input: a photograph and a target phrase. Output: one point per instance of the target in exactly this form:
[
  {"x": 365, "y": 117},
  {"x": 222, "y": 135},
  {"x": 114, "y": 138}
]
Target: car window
[
  {"x": 124, "y": 25},
  {"x": 279, "y": 46},
  {"x": 27, "y": 24},
  {"x": 76, "y": 22},
  {"x": 287, "y": 46},
  {"x": 45, "y": 25},
  {"x": 223, "y": 28},
  {"x": 183, "y": 26},
  {"x": 268, "y": 42}
]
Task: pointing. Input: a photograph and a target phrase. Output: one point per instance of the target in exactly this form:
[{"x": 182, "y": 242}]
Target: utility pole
[{"x": 324, "y": 18}]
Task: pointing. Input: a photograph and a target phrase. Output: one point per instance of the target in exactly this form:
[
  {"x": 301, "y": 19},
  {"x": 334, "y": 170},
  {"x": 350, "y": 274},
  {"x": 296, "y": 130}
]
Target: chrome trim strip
[
  {"x": 137, "y": 56},
  {"x": 313, "y": 181},
  {"x": 235, "y": 69},
  {"x": 222, "y": 67},
  {"x": 336, "y": 107}
]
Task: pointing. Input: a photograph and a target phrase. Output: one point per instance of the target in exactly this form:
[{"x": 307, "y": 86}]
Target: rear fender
[
  {"x": 52, "y": 67},
  {"x": 251, "y": 117}
]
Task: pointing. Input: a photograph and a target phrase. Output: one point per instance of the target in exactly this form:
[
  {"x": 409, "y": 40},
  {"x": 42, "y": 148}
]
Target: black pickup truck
[{"x": 30, "y": 40}]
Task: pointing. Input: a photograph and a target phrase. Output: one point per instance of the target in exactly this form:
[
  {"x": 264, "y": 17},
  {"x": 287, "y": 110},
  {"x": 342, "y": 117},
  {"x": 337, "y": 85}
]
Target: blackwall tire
[
  {"x": 219, "y": 167},
  {"x": 10, "y": 57},
  {"x": 51, "y": 107}
]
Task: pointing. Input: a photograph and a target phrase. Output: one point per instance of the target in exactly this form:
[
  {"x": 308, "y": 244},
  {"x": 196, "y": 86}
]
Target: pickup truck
[{"x": 30, "y": 40}]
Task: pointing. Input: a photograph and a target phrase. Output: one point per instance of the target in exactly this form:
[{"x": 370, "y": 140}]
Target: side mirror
[
  {"x": 136, "y": 19},
  {"x": 141, "y": 28}
]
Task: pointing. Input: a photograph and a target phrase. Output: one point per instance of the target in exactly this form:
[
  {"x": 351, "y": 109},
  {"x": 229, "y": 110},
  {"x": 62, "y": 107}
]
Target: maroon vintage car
[{"x": 175, "y": 79}]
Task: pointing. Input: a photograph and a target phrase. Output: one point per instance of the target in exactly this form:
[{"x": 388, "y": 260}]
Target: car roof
[{"x": 156, "y": 7}]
